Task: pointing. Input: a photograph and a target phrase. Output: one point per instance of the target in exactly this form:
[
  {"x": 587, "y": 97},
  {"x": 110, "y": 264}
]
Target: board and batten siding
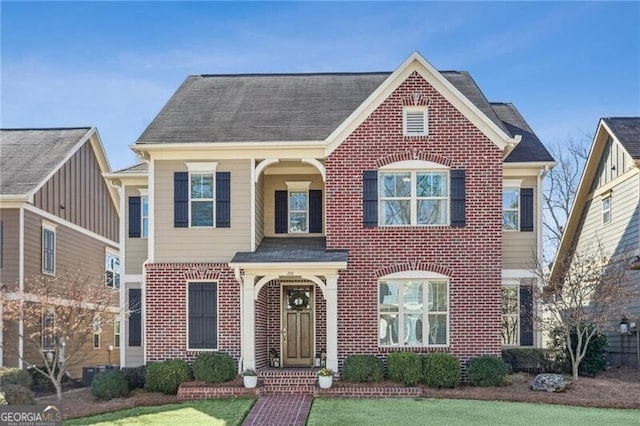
[
  {"x": 10, "y": 262},
  {"x": 201, "y": 244},
  {"x": 78, "y": 193},
  {"x": 136, "y": 249},
  {"x": 520, "y": 248},
  {"x": 614, "y": 162}
]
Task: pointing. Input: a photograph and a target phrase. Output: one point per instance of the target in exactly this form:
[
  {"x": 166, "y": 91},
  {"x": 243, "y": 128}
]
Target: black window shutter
[
  {"x": 135, "y": 317},
  {"x": 282, "y": 212},
  {"x": 315, "y": 211},
  {"x": 181, "y": 200},
  {"x": 370, "y": 198},
  {"x": 526, "y": 209},
  {"x": 134, "y": 217},
  {"x": 203, "y": 322},
  {"x": 458, "y": 198},
  {"x": 223, "y": 200},
  {"x": 526, "y": 316}
]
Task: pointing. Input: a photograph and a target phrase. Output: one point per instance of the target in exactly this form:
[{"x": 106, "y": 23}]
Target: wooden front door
[{"x": 297, "y": 326}]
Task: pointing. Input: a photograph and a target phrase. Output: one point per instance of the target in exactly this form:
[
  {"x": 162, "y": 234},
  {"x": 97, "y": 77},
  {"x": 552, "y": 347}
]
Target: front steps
[{"x": 287, "y": 380}]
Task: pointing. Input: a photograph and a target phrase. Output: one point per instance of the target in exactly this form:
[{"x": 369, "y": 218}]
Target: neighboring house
[
  {"x": 604, "y": 214},
  {"x": 57, "y": 214},
  {"x": 324, "y": 215}
]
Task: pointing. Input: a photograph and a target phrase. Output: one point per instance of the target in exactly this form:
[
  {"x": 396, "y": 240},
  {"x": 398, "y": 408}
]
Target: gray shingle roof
[
  {"x": 530, "y": 149},
  {"x": 27, "y": 156},
  {"x": 135, "y": 169},
  {"x": 627, "y": 131},
  {"x": 283, "y": 250},
  {"x": 298, "y": 107}
]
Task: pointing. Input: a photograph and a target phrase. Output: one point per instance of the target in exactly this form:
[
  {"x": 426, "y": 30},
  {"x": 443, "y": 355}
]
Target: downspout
[
  {"x": 539, "y": 244},
  {"x": 21, "y": 290},
  {"x": 236, "y": 273},
  {"x": 123, "y": 273}
]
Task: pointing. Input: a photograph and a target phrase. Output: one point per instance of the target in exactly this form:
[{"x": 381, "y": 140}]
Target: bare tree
[
  {"x": 561, "y": 185},
  {"x": 60, "y": 316},
  {"x": 583, "y": 292}
]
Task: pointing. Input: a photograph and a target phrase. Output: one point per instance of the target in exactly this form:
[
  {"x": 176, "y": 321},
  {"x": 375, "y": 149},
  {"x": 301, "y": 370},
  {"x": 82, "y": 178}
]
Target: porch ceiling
[{"x": 292, "y": 250}]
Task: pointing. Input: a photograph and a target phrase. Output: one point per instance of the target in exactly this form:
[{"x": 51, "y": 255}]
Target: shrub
[
  {"x": 41, "y": 379},
  {"x": 166, "y": 376},
  {"x": 595, "y": 358},
  {"x": 404, "y": 367},
  {"x": 18, "y": 395},
  {"x": 110, "y": 384},
  {"x": 214, "y": 367},
  {"x": 441, "y": 370},
  {"x": 3, "y": 400},
  {"x": 16, "y": 376},
  {"x": 362, "y": 369},
  {"x": 135, "y": 376},
  {"x": 487, "y": 371},
  {"x": 530, "y": 360}
]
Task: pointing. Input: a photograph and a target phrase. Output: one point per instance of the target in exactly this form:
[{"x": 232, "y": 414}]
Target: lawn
[
  {"x": 370, "y": 412},
  {"x": 223, "y": 412}
]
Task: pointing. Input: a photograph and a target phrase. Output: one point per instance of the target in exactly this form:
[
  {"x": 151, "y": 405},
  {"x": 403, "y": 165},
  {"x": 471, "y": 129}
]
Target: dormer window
[{"x": 415, "y": 121}]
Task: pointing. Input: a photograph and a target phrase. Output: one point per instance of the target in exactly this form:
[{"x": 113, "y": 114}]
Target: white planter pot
[
  {"x": 250, "y": 381},
  {"x": 325, "y": 382}
]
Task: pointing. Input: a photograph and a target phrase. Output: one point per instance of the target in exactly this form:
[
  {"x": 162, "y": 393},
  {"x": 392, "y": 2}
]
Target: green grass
[
  {"x": 223, "y": 412},
  {"x": 371, "y": 412}
]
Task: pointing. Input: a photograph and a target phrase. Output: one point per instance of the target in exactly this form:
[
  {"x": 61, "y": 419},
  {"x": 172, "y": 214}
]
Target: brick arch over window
[
  {"x": 415, "y": 99},
  {"x": 414, "y": 266},
  {"x": 413, "y": 155},
  {"x": 201, "y": 273}
]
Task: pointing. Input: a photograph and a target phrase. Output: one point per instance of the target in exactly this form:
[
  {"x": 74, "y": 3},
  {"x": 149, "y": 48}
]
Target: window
[
  {"x": 116, "y": 333},
  {"x": 415, "y": 121},
  {"x": 413, "y": 313},
  {"x": 144, "y": 216},
  {"x": 96, "y": 332},
  {"x": 112, "y": 270},
  {"x": 201, "y": 198},
  {"x": 298, "y": 211},
  {"x": 510, "y": 315},
  {"x": 48, "y": 330},
  {"x": 203, "y": 315},
  {"x": 135, "y": 317},
  {"x": 511, "y": 209},
  {"x": 414, "y": 198},
  {"x": 606, "y": 209},
  {"x": 48, "y": 249}
]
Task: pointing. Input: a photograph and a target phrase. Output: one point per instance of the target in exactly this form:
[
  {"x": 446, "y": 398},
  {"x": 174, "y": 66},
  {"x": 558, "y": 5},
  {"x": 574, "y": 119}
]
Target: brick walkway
[{"x": 279, "y": 410}]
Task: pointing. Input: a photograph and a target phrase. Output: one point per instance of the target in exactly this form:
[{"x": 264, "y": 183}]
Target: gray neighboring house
[
  {"x": 605, "y": 210},
  {"x": 57, "y": 213}
]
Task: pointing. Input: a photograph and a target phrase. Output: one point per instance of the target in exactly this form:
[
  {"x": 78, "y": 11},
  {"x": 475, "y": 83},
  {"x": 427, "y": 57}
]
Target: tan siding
[
  {"x": 259, "y": 210},
  {"x": 273, "y": 183},
  {"x": 10, "y": 266},
  {"x": 78, "y": 193},
  {"x": 135, "y": 248},
  {"x": 519, "y": 248},
  {"x": 202, "y": 244}
]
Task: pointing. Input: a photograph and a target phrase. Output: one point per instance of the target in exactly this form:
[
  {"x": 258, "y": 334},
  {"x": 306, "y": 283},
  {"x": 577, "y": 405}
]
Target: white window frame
[
  {"x": 144, "y": 231},
  {"x": 606, "y": 208},
  {"x": 413, "y": 197},
  {"x": 200, "y": 169},
  {"x": 217, "y": 315},
  {"x": 48, "y": 314},
  {"x": 517, "y": 209},
  {"x": 414, "y": 110},
  {"x": 424, "y": 278},
  {"x": 109, "y": 254},
  {"x": 292, "y": 188},
  {"x": 117, "y": 334},
  {"x": 49, "y": 228},
  {"x": 515, "y": 315},
  {"x": 97, "y": 330}
]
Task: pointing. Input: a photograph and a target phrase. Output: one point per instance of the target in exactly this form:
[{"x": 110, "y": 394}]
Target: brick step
[{"x": 287, "y": 381}]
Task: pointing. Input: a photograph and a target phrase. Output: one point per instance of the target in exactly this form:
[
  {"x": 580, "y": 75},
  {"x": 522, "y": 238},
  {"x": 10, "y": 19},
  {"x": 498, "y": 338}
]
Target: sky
[{"x": 114, "y": 65}]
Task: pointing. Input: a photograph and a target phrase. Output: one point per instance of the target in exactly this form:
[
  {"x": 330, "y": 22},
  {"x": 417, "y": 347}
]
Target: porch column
[
  {"x": 331, "y": 297},
  {"x": 248, "y": 347}
]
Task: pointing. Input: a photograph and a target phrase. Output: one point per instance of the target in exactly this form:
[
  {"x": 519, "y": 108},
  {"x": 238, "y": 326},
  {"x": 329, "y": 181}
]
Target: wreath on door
[{"x": 298, "y": 299}]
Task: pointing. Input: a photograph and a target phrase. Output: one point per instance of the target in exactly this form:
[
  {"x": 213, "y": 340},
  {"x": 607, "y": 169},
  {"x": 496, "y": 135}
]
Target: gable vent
[{"x": 415, "y": 122}]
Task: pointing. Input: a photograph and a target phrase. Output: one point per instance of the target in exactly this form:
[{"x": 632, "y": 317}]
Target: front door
[{"x": 297, "y": 325}]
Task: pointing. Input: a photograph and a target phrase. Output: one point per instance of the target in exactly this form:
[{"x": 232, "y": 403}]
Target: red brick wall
[
  {"x": 166, "y": 309},
  {"x": 471, "y": 255}
]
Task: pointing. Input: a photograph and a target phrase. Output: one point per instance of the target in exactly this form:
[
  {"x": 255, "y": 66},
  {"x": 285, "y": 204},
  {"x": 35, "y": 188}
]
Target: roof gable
[{"x": 627, "y": 131}]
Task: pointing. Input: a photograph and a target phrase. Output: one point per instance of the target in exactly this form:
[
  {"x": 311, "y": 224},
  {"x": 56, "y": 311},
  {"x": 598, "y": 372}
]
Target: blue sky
[{"x": 114, "y": 65}]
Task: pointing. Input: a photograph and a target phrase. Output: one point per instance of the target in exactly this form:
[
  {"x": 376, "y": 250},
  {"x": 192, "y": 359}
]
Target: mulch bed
[{"x": 615, "y": 388}]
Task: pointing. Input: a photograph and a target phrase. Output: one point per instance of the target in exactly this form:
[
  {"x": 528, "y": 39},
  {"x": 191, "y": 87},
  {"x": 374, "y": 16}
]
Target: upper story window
[
  {"x": 413, "y": 312},
  {"x": 144, "y": 216},
  {"x": 511, "y": 209},
  {"x": 139, "y": 215},
  {"x": 112, "y": 270},
  {"x": 201, "y": 198},
  {"x": 415, "y": 121},
  {"x": 48, "y": 249},
  {"x": 606, "y": 209},
  {"x": 298, "y": 211},
  {"x": 414, "y": 197}
]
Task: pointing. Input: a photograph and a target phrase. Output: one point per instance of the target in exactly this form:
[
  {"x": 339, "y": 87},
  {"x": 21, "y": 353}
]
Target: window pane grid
[
  {"x": 202, "y": 197},
  {"x": 48, "y": 251},
  {"x": 144, "y": 216},
  {"x": 510, "y": 315},
  {"x": 511, "y": 209},
  {"x": 298, "y": 211}
]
